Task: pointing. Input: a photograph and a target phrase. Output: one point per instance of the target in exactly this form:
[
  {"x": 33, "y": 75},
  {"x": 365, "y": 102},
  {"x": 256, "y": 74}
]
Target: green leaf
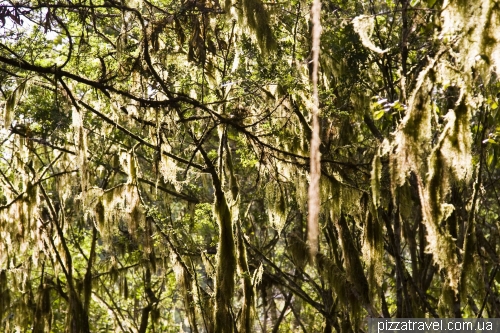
[
  {"x": 490, "y": 159},
  {"x": 490, "y": 140},
  {"x": 378, "y": 114}
]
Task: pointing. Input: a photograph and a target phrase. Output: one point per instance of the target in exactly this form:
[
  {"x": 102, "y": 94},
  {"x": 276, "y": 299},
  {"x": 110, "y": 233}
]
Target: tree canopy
[{"x": 158, "y": 173}]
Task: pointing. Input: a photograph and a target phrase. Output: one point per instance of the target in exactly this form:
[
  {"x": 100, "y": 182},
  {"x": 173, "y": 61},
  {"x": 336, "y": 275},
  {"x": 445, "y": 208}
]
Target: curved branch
[
  {"x": 138, "y": 138},
  {"x": 104, "y": 88}
]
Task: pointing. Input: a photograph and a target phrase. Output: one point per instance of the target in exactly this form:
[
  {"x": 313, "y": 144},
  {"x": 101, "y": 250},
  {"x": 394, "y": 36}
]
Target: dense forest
[{"x": 228, "y": 166}]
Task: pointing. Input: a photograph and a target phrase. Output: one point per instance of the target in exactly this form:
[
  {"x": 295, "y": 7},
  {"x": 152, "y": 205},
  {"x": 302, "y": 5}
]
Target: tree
[{"x": 155, "y": 165}]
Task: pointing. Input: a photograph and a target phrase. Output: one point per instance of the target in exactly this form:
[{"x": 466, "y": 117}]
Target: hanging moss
[
  {"x": 449, "y": 162},
  {"x": 440, "y": 156},
  {"x": 407, "y": 205},
  {"x": 300, "y": 182},
  {"x": 298, "y": 250},
  {"x": 376, "y": 174},
  {"x": 353, "y": 267},
  {"x": 99, "y": 210},
  {"x": 80, "y": 139},
  {"x": 351, "y": 198},
  {"x": 188, "y": 290},
  {"x": 412, "y": 140},
  {"x": 169, "y": 169},
  {"x": 120, "y": 205},
  {"x": 255, "y": 16},
  {"x": 334, "y": 275},
  {"x": 373, "y": 252},
  {"x": 364, "y": 26},
  {"x": 476, "y": 24},
  {"x": 446, "y": 302},
  {"x": 441, "y": 244},
  {"x": 331, "y": 192},
  {"x": 276, "y": 205}
]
